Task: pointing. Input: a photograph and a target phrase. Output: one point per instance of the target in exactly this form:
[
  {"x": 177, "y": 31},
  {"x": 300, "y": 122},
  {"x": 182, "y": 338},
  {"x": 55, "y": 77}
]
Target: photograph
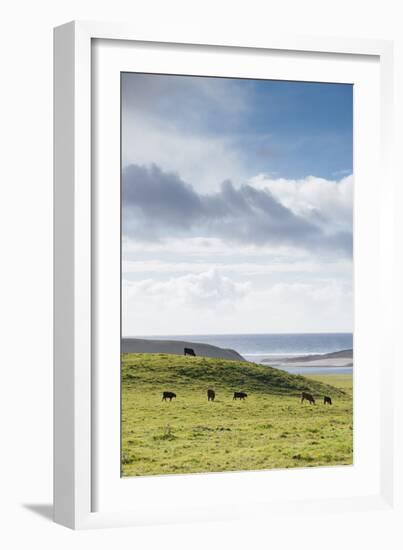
[{"x": 237, "y": 274}]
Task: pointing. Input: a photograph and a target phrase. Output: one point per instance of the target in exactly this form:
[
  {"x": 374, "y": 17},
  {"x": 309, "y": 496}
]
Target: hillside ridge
[
  {"x": 176, "y": 347},
  {"x": 168, "y": 371}
]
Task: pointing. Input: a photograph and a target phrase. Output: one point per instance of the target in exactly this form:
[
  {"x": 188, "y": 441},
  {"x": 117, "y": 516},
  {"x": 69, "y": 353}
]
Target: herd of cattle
[
  {"x": 169, "y": 395},
  {"x": 305, "y": 396}
]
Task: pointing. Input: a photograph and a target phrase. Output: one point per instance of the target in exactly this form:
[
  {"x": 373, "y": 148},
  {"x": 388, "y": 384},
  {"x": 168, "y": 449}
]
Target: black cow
[
  {"x": 240, "y": 395},
  {"x": 327, "y": 400},
  {"x": 308, "y": 397},
  {"x": 189, "y": 351},
  {"x": 168, "y": 395},
  {"x": 210, "y": 395}
]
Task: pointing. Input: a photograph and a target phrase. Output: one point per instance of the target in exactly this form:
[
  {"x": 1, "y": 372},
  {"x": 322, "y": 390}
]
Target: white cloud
[
  {"x": 210, "y": 303},
  {"x": 246, "y": 268},
  {"x": 158, "y": 204},
  {"x": 182, "y": 256},
  {"x": 319, "y": 306},
  {"x": 326, "y": 203},
  {"x": 206, "y": 289},
  {"x": 196, "y": 247}
]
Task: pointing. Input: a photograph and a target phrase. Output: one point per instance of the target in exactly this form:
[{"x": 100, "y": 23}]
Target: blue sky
[
  {"x": 237, "y": 197},
  {"x": 310, "y": 128},
  {"x": 288, "y": 129}
]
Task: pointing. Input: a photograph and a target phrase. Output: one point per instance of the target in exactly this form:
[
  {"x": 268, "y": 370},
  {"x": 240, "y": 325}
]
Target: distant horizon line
[{"x": 234, "y": 334}]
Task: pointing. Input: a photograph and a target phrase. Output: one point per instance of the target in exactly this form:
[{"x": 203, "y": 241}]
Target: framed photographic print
[
  {"x": 237, "y": 289},
  {"x": 222, "y": 276}
]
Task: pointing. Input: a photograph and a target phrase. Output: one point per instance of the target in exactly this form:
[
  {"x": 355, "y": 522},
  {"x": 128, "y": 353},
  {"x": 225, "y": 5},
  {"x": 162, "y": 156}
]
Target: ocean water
[{"x": 255, "y": 347}]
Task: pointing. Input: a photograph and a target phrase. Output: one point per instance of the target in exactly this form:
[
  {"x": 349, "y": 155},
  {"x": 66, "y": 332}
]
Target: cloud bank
[
  {"x": 206, "y": 289},
  {"x": 159, "y": 204},
  {"x": 328, "y": 203},
  {"x": 199, "y": 302}
]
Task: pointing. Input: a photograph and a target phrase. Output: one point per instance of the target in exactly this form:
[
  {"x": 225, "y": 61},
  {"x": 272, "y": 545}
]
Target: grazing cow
[
  {"x": 168, "y": 395},
  {"x": 240, "y": 395},
  {"x": 327, "y": 400},
  {"x": 210, "y": 395},
  {"x": 189, "y": 351},
  {"x": 308, "y": 397}
]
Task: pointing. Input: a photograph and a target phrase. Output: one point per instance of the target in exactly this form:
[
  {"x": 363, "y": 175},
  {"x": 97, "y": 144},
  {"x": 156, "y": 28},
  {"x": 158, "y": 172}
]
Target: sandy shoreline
[
  {"x": 319, "y": 363},
  {"x": 343, "y": 358}
]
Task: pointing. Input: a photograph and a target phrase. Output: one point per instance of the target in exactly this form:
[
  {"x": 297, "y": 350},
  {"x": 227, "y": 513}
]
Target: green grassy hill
[
  {"x": 270, "y": 429},
  {"x": 172, "y": 372}
]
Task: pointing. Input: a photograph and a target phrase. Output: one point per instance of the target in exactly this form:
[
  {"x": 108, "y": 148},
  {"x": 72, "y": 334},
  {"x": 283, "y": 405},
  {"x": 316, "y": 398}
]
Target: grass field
[{"x": 270, "y": 429}]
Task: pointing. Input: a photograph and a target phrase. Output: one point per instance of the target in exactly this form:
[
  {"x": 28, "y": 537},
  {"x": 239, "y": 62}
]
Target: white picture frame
[{"x": 85, "y": 495}]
